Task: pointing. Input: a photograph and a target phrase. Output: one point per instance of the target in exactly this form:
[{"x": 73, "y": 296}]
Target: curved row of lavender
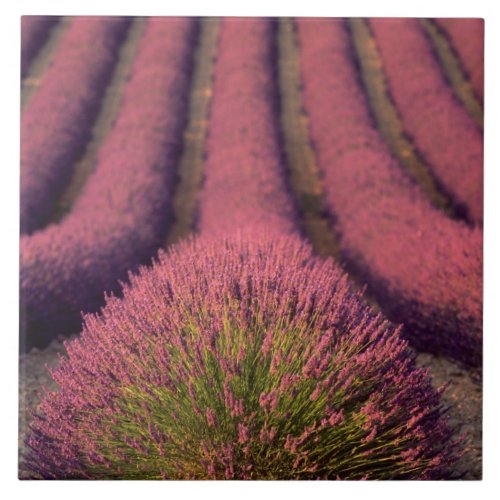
[
  {"x": 240, "y": 359},
  {"x": 244, "y": 185},
  {"x": 56, "y": 123},
  {"x": 120, "y": 218},
  {"x": 425, "y": 269},
  {"x": 442, "y": 130},
  {"x": 467, "y": 38},
  {"x": 34, "y": 32}
]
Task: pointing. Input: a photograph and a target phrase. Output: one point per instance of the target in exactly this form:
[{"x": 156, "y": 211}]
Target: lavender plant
[{"x": 231, "y": 359}]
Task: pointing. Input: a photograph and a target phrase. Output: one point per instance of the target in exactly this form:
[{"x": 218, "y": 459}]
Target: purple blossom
[
  {"x": 173, "y": 379},
  {"x": 212, "y": 422},
  {"x": 243, "y": 435}
]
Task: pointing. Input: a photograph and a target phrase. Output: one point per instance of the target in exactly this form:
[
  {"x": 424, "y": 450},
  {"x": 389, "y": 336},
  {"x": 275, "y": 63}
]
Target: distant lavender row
[
  {"x": 120, "y": 218},
  {"x": 244, "y": 187},
  {"x": 441, "y": 128},
  {"x": 467, "y": 38},
  {"x": 34, "y": 31},
  {"x": 425, "y": 269},
  {"x": 56, "y": 123}
]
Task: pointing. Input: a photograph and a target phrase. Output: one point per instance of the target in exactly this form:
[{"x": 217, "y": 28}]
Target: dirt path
[
  {"x": 303, "y": 171},
  {"x": 193, "y": 155},
  {"x": 34, "y": 378}
]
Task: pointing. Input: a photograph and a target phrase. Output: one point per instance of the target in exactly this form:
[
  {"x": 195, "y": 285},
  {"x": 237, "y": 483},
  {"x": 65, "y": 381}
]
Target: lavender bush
[
  {"x": 119, "y": 220},
  {"x": 34, "y": 31},
  {"x": 425, "y": 269},
  {"x": 235, "y": 360},
  {"x": 443, "y": 131},
  {"x": 57, "y": 121}
]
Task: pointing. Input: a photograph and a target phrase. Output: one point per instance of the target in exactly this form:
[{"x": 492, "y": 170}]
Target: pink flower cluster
[
  {"x": 467, "y": 38},
  {"x": 57, "y": 121},
  {"x": 34, "y": 31},
  {"x": 443, "y": 132},
  {"x": 244, "y": 173},
  {"x": 164, "y": 362},
  {"x": 119, "y": 220},
  {"x": 425, "y": 269}
]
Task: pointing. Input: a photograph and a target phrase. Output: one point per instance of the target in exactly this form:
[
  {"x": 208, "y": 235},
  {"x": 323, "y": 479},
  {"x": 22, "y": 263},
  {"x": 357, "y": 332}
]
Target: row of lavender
[
  {"x": 425, "y": 269},
  {"x": 445, "y": 134},
  {"x": 244, "y": 186},
  {"x": 241, "y": 355},
  {"x": 120, "y": 218},
  {"x": 57, "y": 122}
]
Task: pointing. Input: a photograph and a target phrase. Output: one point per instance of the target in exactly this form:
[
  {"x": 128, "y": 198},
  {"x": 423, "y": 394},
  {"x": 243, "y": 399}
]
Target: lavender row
[
  {"x": 120, "y": 218},
  {"x": 57, "y": 122},
  {"x": 34, "y": 32},
  {"x": 244, "y": 186},
  {"x": 425, "y": 269},
  {"x": 217, "y": 365},
  {"x": 467, "y": 38},
  {"x": 442, "y": 130}
]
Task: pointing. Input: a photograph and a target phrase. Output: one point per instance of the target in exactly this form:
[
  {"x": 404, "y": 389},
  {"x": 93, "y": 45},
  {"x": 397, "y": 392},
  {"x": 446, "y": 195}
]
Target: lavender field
[{"x": 251, "y": 248}]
